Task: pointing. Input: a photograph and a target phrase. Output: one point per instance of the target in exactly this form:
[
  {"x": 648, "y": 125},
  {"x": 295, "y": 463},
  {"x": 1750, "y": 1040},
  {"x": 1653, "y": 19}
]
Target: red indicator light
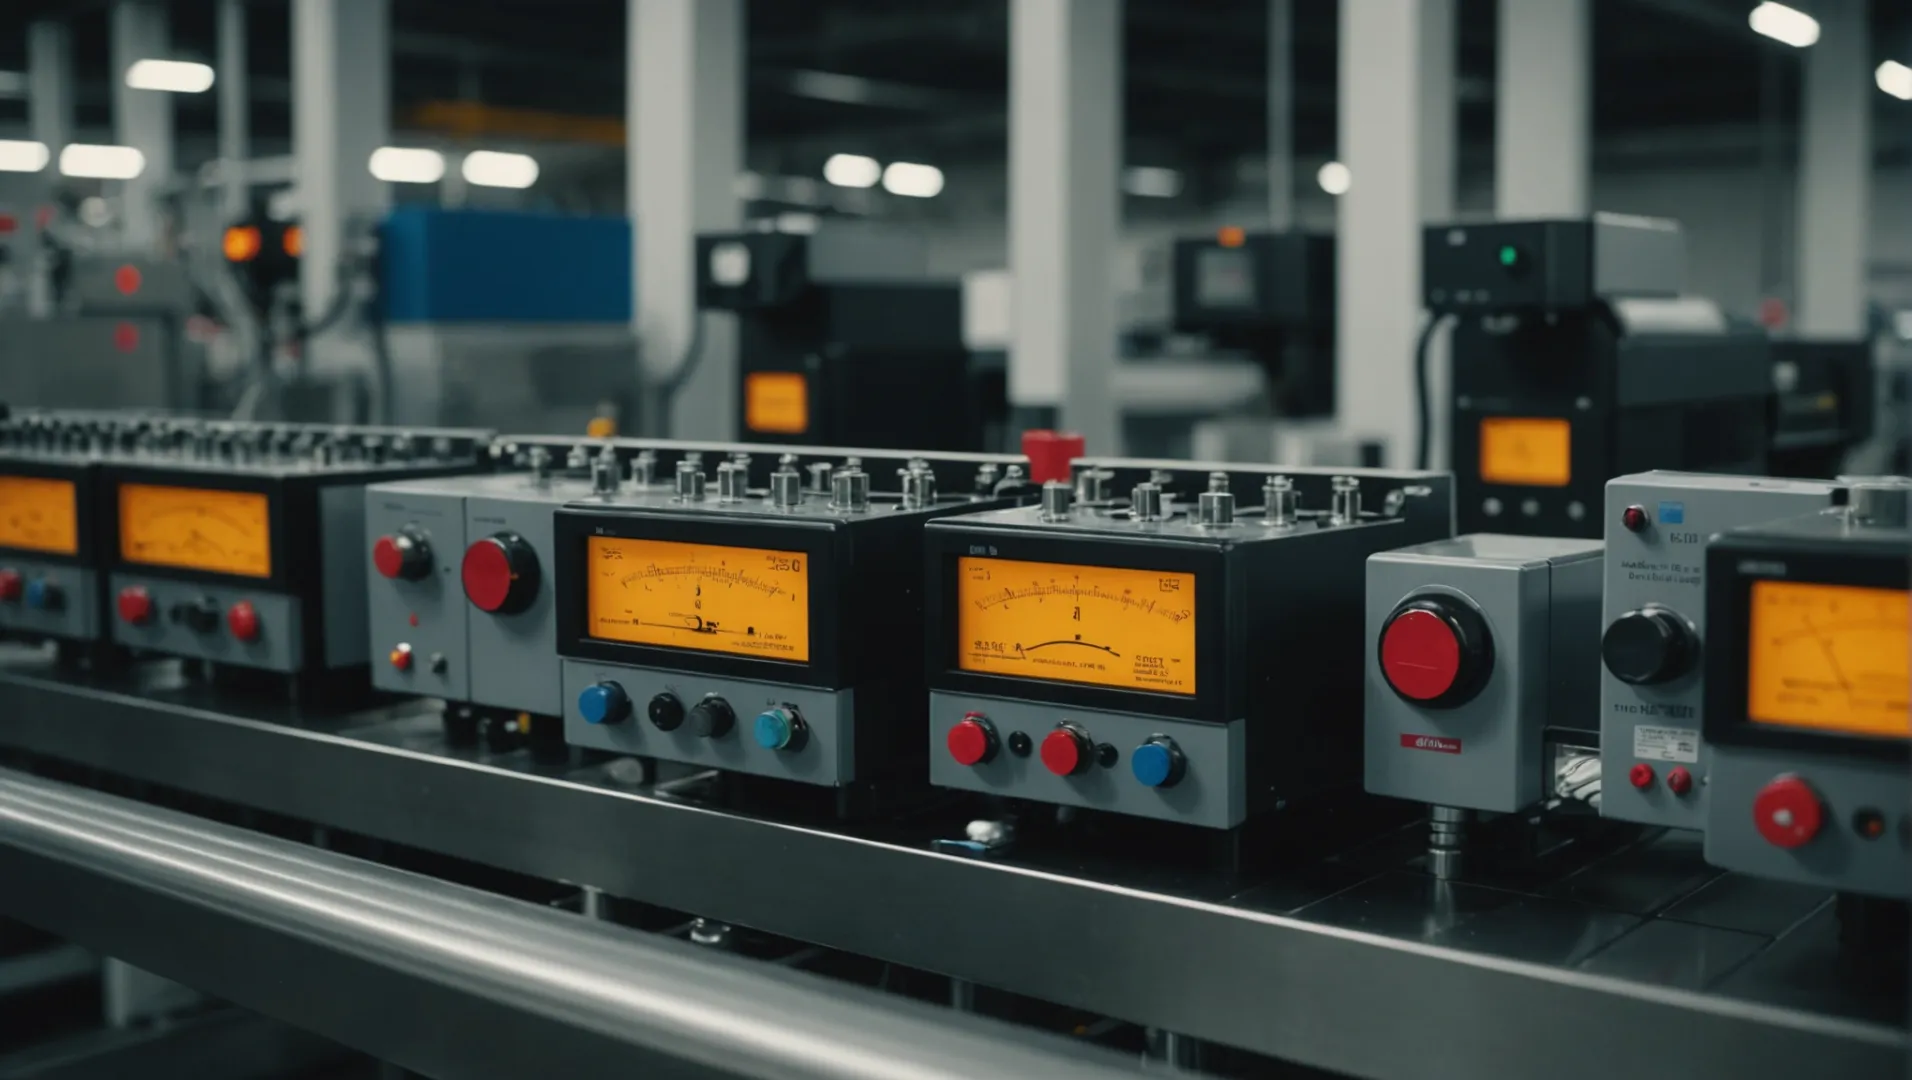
[
  {"x": 125, "y": 337},
  {"x": 127, "y": 279}
]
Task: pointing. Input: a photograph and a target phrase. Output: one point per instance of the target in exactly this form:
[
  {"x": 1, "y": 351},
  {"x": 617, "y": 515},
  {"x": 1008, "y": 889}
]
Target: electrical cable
[{"x": 1424, "y": 391}]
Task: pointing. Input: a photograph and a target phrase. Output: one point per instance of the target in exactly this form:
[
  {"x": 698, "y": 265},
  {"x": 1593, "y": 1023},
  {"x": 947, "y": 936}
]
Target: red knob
[
  {"x": 405, "y": 554},
  {"x": 1679, "y": 781},
  {"x": 972, "y": 741},
  {"x": 1051, "y": 453},
  {"x": 401, "y": 657},
  {"x": 1787, "y": 812},
  {"x": 1640, "y": 776},
  {"x": 500, "y": 574},
  {"x": 12, "y": 586},
  {"x": 136, "y": 605},
  {"x": 243, "y": 620},
  {"x": 1065, "y": 751}
]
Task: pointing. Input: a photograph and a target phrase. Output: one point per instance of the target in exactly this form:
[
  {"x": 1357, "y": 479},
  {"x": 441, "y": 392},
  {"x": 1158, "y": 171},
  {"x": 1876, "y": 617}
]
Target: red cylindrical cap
[
  {"x": 1051, "y": 453},
  {"x": 1679, "y": 781},
  {"x": 1641, "y": 775},
  {"x": 1064, "y": 751},
  {"x": 243, "y": 620},
  {"x": 135, "y": 604},
  {"x": 1420, "y": 656},
  {"x": 387, "y": 557},
  {"x": 970, "y": 741}
]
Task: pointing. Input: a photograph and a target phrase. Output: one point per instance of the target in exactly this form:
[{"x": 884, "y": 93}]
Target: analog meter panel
[
  {"x": 39, "y": 514},
  {"x": 1835, "y": 658},
  {"x": 222, "y": 532},
  {"x": 711, "y": 598},
  {"x": 1133, "y": 629}
]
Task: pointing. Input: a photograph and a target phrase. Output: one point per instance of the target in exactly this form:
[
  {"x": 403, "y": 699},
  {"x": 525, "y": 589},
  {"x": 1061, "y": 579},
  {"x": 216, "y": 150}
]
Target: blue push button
[
  {"x": 777, "y": 729},
  {"x": 37, "y": 593},
  {"x": 1158, "y": 763},
  {"x": 604, "y": 703}
]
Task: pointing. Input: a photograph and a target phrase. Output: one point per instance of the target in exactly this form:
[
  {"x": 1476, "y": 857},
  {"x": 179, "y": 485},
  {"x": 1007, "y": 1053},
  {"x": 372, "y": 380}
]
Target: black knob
[
  {"x": 666, "y": 711},
  {"x": 712, "y": 718},
  {"x": 1435, "y": 650},
  {"x": 1648, "y": 645},
  {"x": 201, "y": 615}
]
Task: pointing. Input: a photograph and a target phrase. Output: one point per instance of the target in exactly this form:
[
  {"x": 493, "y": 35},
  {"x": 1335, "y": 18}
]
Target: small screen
[
  {"x": 222, "y": 532},
  {"x": 1529, "y": 451},
  {"x": 39, "y": 514},
  {"x": 776, "y": 403},
  {"x": 1133, "y": 629},
  {"x": 1224, "y": 278},
  {"x": 1830, "y": 657},
  {"x": 746, "y": 601}
]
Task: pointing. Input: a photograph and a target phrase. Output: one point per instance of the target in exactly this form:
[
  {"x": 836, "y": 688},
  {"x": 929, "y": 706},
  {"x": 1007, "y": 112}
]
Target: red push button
[
  {"x": 1787, "y": 812},
  {"x": 12, "y": 586},
  {"x": 1420, "y": 656},
  {"x": 1640, "y": 776},
  {"x": 1065, "y": 751},
  {"x": 401, "y": 657},
  {"x": 500, "y": 574},
  {"x": 243, "y": 620},
  {"x": 136, "y": 605},
  {"x": 1679, "y": 781},
  {"x": 972, "y": 741},
  {"x": 387, "y": 558}
]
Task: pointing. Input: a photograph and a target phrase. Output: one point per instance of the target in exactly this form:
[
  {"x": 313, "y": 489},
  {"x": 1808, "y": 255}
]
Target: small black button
[
  {"x": 1107, "y": 755},
  {"x": 712, "y": 718},
  {"x": 1868, "y": 823},
  {"x": 666, "y": 712},
  {"x": 1020, "y": 744}
]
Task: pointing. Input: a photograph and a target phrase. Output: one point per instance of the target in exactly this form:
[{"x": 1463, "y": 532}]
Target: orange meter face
[
  {"x": 745, "y": 601},
  {"x": 1529, "y": 451},
  {"x": 1132, "y": 629},
  {"x": 221, "y": 532},
  {"x": 1830, "y": 657},
  {"x": 39, "y": 514}
]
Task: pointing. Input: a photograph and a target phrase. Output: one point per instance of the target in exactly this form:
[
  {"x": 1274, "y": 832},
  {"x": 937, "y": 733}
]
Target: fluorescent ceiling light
[
  {"x": 490, "y": 168},
  {"x": 1781, "y": 23},
  {"x": 170, "y": 76},
  {"x": 1152, "y": 182},
  {"x": 101, "y": 162},
  {"x": 852, "y": 170},
  {"x": 1334, "y": 178},
  {"x": 797, "y": 224},
  {"x": 21, "y": 156},
  {"x": 1895, "y": 79},
  {"x": 406, "y": 165},
  {"x": 909, "y": 178}
]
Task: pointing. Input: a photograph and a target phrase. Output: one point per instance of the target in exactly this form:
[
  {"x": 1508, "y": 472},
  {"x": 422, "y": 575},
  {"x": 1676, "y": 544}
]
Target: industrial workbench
[{"x": 1355, "y": 962}]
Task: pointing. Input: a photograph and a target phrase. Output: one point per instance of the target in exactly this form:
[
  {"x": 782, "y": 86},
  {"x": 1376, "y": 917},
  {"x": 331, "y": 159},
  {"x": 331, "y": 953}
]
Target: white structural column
[
  {"x": 1065, "y": 211},
  {"x": 1400, "y": 175},
  {"x": 1835, "y": 174},
  {"x": 341, "y": 112},
  {"x": 1440, "y": 135},
  {"x": 1281, "y": 114},
  {"x": 1542, "y": 109},
  {"x": 685, "y": 107},
  {"x": 142, "y": 119},
  {"x": 50, "y": 85},
  {"x": 235, "y": 119}
]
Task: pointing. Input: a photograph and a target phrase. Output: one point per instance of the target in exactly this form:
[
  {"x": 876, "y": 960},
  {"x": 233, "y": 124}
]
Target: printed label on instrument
[
  {"x": 1529, "y": 451},
  {"x": 39, "y": 514},
  {"x": 1133, "y": 629},
  {"x": 776, "y": 403},
  {"x": 1436, "y": 743},
  {"x": 1830, "y": 657},
  {"x": 746, "y": 601},
  {"x": 223, "y": 532},
  {"x": 1666, "y": 744}
]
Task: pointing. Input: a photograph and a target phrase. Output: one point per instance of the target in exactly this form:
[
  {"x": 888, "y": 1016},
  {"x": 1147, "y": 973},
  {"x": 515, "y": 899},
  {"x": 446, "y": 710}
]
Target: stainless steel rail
[{"x": 450, "y": 981}]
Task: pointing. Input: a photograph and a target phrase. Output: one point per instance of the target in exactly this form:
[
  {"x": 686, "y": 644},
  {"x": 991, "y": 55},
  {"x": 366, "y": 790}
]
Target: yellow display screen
[
  {"x": 39, "y": 514},
  {"x": 776, "y": 403},
  {"x": 1133, "y": 629},
  {"x": 746, "y": 601},
  {"x": 1529, "y": 451},
  {"x": 1830, "y": 657},
  {"x": 223, "y": 532}
]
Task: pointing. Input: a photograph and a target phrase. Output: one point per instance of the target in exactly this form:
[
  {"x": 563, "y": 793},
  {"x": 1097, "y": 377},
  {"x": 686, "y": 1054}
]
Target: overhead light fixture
[
  {"x": 1895, "y": 79},
  {"x": 1334, "y": 178},
  {"x": 169, "y": 76},
  {"x": 796, "y": 223},
  {"x": 491, "y": 168},
  {"x": 1782, "y": 23},
  {"x": 101, "y": 162},
  {"x": 1151, "y": 182},
  {"x": 407, "y": 165},
  {"x": 20, "y": 155},
  {"x": 852, "y": 170},
  {"x": 913, "y": 180}
]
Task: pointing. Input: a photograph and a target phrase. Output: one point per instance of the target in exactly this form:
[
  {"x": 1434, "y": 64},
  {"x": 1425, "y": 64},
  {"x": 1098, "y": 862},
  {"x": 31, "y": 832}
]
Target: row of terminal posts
[{"x": 1213, "y": 508}]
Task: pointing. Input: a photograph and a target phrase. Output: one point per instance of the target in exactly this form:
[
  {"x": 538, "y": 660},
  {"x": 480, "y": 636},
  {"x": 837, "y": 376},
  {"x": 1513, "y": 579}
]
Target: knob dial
[
  {"x": 604, "y": 703},
  {"x": 666, "y": 711},
  {"x": 1067, "y": 750},
  {"x": 712, "y": 718},
  {"x": 972, "y": 740},
  {"x": 501, "y": 574},
  {"x": 404, "y": 554},
  {"x": 1648, "y": 645},
  {"x": 1436, "y": 651},
  {"x": 1158, "y": 763},
  {"x": 243, "y": 620},
  {"x": 200, "y": 616},
  {"x": 1787, "y": 812}
]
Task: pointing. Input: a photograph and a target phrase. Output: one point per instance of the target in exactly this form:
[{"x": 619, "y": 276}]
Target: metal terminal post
[
  {"x": 1280, "y": 507},
  {"x": 1056, "y": 498},
  {"x": 1446, "y": 840},
  {"x": 1012, "y": 477},
  {"x": 604, "y": 473},
  {"x": 644, "y": 468},
  {"x": 786, "y": 488},
  {"x": 1879, "y": 501},
  {"x": 578, "y": 461},
  {"x": 690, "y": 481},
  {"x": 850, "y": 489},
  {"x": 733, "y": 481},
  {"x": 1092, "y": 485},
  {"x": 1145, "y": 501},
  {"x": 986, "y": 475},
  {"x": 820, "y": 473},
  {"x": 919, "y": 487},
  {"x": 1216, "y": 506},
  {"x": 1346, "y": 508},
  {"x": 539, "y": 459}
]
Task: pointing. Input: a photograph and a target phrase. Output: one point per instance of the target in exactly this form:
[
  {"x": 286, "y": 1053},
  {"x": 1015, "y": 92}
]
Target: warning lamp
[
  {"x": 241, "y": 243},
  {"x": 1231, "y": 236},
  {"x": 293, "y": 241},
  {"x": 127, "y": 279}
]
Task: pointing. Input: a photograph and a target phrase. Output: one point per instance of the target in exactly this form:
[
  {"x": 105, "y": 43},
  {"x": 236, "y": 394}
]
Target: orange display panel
[
  {"x": 746, "y": 601},
  {"x": 1133, "y": 629},
  {"x": 776, "y": 403},
  {"x": 221, "y": 532},
  {"x": 39, "y": 514},
  {"x": 1830, "y": 657},
  {"x": 1529, "y": 451}
]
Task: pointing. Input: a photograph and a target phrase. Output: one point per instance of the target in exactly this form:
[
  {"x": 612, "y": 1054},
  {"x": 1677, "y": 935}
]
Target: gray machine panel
[
  {"x": 278, "y": 648},
  {"x": 75, "y": 617},
  {"x": 514, "y": 658},
  {"x": 1664, "y": 565},
  {"x": 824, "y": 758},
  {"x": 1212, "y": 791},
  {"x": 343, "y": 564},
  {"x": 426, "y": 616},
  {"x": 1838, "y": 856},
  {"x": 1487, "y": 752}
]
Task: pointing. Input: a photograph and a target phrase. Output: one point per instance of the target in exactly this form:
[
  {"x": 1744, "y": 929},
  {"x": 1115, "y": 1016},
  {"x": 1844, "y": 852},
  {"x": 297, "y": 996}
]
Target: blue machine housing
[{"x": 505, "y": 266}]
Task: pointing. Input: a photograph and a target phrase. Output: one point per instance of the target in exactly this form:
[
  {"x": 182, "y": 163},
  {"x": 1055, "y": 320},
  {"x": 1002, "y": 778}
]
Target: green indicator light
[{"x": 1509, "y": 255}]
